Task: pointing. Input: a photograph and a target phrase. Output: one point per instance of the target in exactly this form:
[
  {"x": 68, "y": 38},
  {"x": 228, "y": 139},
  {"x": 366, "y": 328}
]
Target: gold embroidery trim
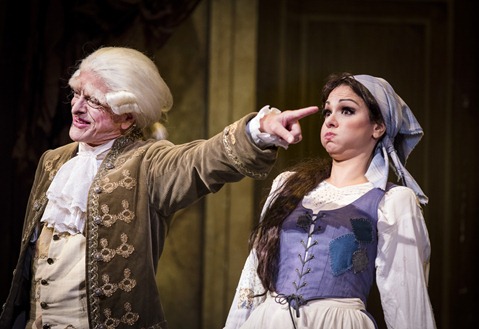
[{"x": 228, "y": 140}]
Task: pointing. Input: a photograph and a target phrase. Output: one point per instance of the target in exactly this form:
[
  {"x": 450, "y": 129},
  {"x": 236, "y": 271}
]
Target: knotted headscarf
[{"x": 403, "y": 133}]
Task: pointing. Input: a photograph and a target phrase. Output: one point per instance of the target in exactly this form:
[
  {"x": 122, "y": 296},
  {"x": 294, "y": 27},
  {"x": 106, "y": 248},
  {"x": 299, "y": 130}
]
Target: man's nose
[{"x": 79, "y": 106}]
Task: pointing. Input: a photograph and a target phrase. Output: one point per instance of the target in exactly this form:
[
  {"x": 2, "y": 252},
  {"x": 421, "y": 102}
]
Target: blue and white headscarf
[{"x": 403, "y": 133}]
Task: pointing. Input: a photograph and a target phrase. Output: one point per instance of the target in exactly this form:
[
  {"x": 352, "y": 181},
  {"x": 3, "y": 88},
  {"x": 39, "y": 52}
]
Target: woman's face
[
  {"x": 347, "y": 130},
  {"x": 93, "y": 121}
]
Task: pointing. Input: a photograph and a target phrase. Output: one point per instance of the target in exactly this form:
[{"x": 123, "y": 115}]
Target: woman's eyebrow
[
  {"x": 343, "y": 100},
  {"x": 348, "y": 99}
]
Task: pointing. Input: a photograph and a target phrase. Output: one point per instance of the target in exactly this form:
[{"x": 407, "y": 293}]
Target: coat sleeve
[
  {"x": 178, "y": 175},
  {"x": 402, "y": 262}
]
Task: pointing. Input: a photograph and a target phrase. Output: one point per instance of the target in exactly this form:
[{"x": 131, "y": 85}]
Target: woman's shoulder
[
  {"x": 394, "y": 191},
  {"x": 398, "y": 198},
  {"x": 282, "y": 177}
]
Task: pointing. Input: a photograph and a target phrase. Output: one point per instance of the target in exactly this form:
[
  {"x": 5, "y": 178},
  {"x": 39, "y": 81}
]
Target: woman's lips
[{"x": 329, "y": 136}]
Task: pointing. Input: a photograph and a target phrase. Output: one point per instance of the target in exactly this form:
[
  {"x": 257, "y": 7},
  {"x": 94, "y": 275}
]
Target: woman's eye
[{"x": 325, "y": 113}]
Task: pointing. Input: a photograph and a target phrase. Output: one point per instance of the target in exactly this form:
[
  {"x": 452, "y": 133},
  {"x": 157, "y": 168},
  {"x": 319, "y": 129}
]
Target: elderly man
[{"x": 100, "y": 207}]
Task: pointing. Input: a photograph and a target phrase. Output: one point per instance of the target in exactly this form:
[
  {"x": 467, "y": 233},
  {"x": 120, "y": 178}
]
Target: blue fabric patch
[
  {"x": 341, "y": 251},
  {"x": 363, "y": 230}
]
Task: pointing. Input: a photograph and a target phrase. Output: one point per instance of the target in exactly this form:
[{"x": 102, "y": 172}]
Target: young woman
[{"x": 331, "y": 228}]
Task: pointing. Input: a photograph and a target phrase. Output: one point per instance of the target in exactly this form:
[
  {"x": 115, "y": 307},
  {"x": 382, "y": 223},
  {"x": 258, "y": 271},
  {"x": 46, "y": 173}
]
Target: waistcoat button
[{"x": 97, "y": 220}]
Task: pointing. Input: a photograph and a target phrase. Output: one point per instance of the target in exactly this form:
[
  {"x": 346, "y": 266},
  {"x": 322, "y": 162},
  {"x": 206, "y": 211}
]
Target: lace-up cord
[{"x": 289, "y": 299}]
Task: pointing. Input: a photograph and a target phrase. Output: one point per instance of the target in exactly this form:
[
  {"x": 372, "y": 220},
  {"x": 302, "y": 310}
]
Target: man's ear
[
  {"x": 379, "y": 130},
  {"x": 127, "y": 120}
]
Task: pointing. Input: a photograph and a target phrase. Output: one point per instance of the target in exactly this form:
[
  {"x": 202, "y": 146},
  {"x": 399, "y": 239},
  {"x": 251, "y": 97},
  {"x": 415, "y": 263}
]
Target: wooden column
[{"x": 231, "y": 94}]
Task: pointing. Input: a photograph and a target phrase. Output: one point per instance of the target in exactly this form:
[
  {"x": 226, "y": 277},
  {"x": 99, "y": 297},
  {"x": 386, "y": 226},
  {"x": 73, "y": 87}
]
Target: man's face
[{"x": 93, "y": 121}]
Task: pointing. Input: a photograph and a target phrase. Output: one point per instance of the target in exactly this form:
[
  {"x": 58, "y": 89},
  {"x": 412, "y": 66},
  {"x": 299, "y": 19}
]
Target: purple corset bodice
[{"x": 329, "y": 254}]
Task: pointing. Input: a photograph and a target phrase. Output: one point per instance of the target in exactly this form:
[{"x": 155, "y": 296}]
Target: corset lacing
[{"x": 293, "y": 301}]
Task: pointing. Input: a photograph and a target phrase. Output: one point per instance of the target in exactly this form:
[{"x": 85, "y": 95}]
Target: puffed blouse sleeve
[
  {"x": 402, "y": 263},
  {"x": 250, "y": 284}
]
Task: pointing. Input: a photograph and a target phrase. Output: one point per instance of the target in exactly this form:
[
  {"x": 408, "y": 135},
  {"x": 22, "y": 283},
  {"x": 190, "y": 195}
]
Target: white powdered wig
[
  {"x": 134, "y": 83},
  {"x": 122, "y": 102}
]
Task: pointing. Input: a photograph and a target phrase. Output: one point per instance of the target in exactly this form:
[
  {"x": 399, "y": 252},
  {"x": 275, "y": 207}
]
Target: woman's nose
[{"x": 330, "y": 120}]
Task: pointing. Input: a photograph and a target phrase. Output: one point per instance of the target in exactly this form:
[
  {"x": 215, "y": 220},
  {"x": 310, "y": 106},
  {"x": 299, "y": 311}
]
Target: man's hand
[{"x": 285, "y": 125}]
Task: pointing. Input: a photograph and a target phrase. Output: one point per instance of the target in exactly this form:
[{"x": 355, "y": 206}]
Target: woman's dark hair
[{"x": 304, "y": 178}]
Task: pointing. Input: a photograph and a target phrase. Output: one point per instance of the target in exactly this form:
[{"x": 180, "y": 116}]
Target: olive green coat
[{"x": 137, "y": 190}]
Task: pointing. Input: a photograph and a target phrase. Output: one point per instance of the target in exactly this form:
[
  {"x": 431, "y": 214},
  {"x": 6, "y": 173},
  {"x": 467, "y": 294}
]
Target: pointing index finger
[{"x": 303, "y": 112}]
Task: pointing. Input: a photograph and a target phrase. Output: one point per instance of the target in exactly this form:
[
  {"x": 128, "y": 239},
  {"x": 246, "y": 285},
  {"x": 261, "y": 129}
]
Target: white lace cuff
[{"x": 264, "y": 139}]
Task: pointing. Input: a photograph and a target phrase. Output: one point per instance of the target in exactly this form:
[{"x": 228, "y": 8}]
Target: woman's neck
[{"x": 346, "y": 173}]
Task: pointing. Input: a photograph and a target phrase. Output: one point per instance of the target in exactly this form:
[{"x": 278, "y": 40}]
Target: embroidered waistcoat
[{"x": 329, "y": 254}]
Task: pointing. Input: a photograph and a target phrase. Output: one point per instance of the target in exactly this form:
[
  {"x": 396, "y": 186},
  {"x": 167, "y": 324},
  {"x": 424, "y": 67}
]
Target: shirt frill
[{"x": 68, "y": 192}]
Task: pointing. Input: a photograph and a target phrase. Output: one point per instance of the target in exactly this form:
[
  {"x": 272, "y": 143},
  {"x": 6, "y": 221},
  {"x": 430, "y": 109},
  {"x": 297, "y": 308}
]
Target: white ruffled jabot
[{"x": 68, "y": 192}]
